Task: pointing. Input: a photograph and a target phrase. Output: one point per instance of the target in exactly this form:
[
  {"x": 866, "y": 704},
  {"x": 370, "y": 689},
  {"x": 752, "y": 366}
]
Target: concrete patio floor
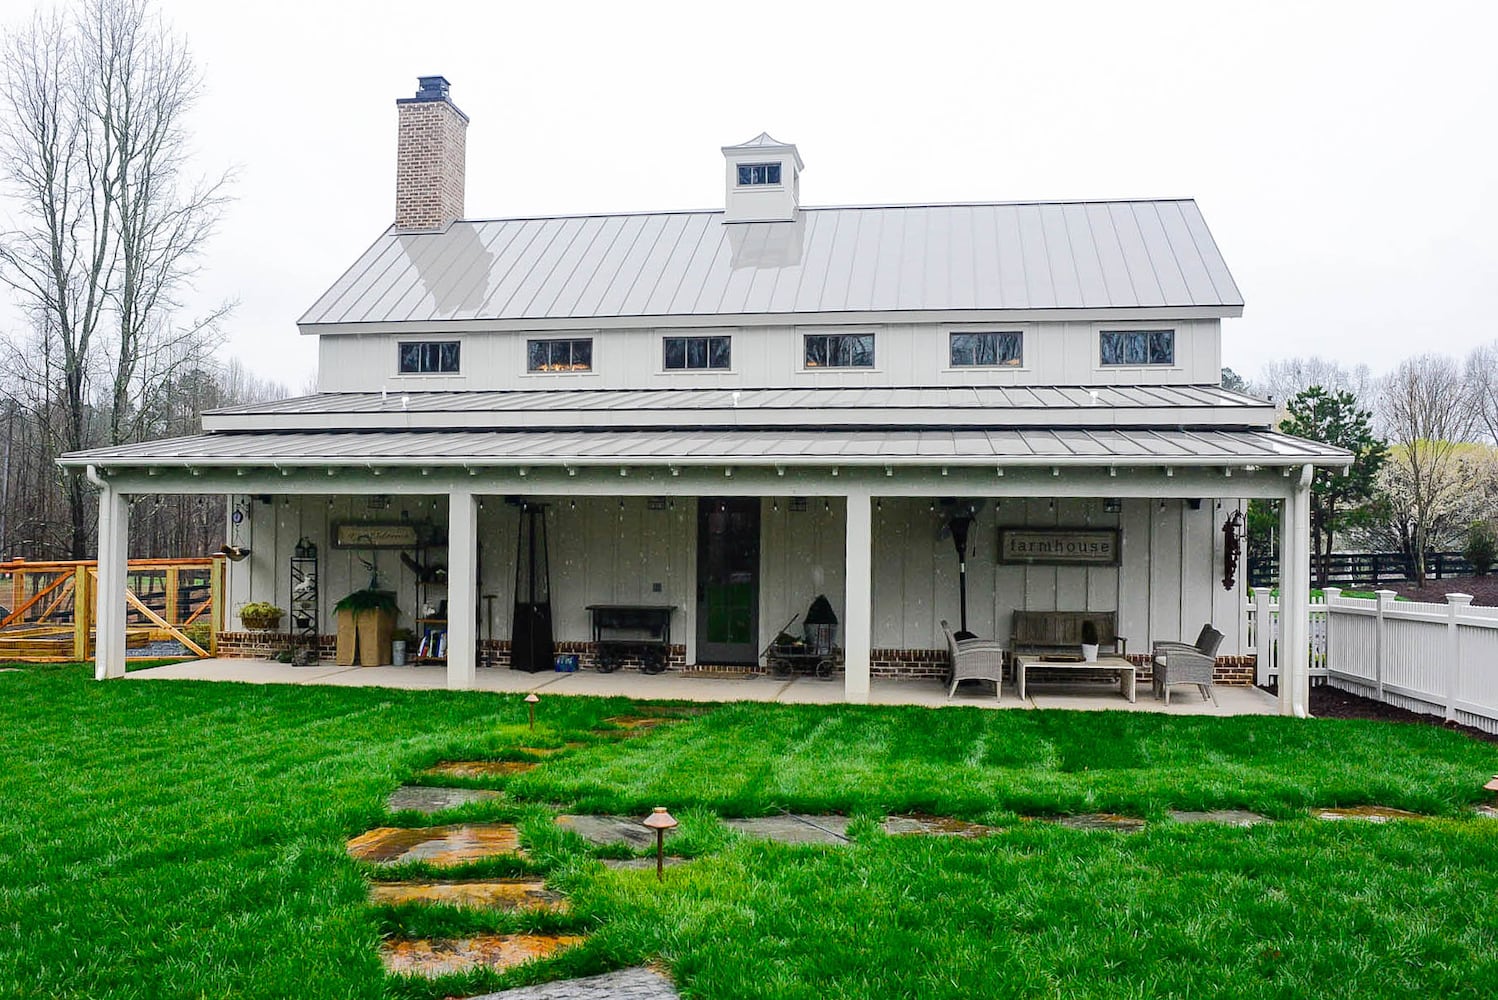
[{"x": 675, "y": 685}]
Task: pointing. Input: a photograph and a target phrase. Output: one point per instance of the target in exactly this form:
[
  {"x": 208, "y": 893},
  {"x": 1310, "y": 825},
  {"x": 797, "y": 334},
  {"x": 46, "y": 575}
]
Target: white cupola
[{"x": 763, "y": 178}]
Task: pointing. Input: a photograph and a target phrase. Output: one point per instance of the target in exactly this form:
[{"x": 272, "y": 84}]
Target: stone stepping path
[
  {"x": 794, "y": 828},
  {"x": 1227, "y": 817},
  {"x": 432, "y": 957},
  {"x": 549, "y": 751},
  {"x": 438, "y": 845},
  {"x": 426, "y": 799},
  {"x": 1488, "y": 812},
  {"x": 638, "y": 864},
  {"x": 479, "y": 894},
  {"x": 634, "y": 724},
  {"x": 1369, "y": 814},
  {"x": 603, "y": 830},
  {"x": 628, "y": 984},
  {"x": 1099, "y": 821},
  {"x": 479, "y": 768},
  {"x": 935, "y": 826}
]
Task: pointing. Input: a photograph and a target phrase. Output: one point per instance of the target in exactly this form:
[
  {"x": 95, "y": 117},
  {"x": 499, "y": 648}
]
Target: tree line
[
  {"x": 1425, "y": 444},
  {"x": 105, "y": 232}
]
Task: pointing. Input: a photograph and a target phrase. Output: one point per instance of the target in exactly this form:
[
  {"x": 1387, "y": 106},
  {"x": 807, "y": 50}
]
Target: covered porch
[{"x": 863, "y": 507}]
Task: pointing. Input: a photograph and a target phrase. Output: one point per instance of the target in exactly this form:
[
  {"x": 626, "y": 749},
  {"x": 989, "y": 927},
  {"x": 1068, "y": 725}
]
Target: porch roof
[
  {"x": 875, "y": 407},
  {"x": 1017, "y": 447}
]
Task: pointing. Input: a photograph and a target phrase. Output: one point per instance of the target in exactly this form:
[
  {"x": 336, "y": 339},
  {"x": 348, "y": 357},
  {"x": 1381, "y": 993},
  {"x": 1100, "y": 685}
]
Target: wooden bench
[{"x": 1053, "y": 631}]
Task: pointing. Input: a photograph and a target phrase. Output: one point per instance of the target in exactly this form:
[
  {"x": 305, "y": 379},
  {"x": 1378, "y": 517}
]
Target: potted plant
[
  {"x": 366, "y": 620},
  {"x": 260, "y": 616},
  {"x": 1089, "y": 641}
]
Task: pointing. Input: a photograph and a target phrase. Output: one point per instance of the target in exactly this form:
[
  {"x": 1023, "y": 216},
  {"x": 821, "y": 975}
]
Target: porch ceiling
[{"x": 1017, "y": 447}]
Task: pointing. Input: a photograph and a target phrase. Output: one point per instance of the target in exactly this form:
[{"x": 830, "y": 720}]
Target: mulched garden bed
[
  {"x": 1328, "y": 702},
  {"x": 1484, "y": 589}
]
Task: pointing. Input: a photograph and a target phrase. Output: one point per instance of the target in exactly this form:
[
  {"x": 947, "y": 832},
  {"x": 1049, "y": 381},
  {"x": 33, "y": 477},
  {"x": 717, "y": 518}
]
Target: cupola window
[{"x": 759, "y": 173}]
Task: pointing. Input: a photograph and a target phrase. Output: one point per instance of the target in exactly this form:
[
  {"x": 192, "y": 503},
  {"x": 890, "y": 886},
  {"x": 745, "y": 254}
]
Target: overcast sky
[{"x": 1342, "y": 153}]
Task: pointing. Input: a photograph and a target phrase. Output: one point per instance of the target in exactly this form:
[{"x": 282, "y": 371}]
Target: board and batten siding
[
  {"x": 604, "y": 551},
  {"x": 905, "y": 354}
]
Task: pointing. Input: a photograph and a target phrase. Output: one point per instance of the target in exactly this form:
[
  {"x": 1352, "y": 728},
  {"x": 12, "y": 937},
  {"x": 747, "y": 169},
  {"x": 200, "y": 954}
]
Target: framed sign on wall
[
  {"x": 1059, "y": 546},
  {"x": 376, "y": 535}
]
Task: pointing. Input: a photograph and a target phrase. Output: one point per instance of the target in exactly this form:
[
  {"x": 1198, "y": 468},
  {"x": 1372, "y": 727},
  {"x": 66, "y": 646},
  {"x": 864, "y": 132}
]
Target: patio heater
[
  {"x": 531, "y": 646},
  {"x": 960, "y": 518}
]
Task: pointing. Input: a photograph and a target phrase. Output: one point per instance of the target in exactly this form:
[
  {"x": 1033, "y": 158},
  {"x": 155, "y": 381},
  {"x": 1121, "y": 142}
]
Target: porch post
[
  {"x": 1295, "y": 598},
  {"x": 858, "y": 614},
  {"x": 114, "y": 539},
  {"x": 462, "y": 590}
]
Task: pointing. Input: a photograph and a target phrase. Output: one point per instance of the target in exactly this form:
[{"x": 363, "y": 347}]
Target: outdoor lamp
[
  {"x": 660, "y": 821},
  {"x": 530, "y": 706},
  {"x": 1492, "y": 786}
]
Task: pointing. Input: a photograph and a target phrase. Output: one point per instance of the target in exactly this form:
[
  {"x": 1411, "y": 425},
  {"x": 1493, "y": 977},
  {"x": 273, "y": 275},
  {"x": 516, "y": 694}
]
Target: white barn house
[{"x": 730, "y": 412}]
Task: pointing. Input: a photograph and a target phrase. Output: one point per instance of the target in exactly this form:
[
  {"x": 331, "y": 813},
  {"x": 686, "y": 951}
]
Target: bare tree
[
  {"x": 92, "y": 105},
  {"x": 1482, "y": 385},
  {"x": 1282, "y": 381},
  {"x": 1427, "y": 413}
]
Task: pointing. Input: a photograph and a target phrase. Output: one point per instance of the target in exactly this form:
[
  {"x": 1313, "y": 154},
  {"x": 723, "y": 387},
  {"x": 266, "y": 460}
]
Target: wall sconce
[{"x": 1232, "y": 538}]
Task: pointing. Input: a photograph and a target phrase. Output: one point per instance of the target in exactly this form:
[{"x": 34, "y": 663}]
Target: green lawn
[{"x": 166, "y": 839}]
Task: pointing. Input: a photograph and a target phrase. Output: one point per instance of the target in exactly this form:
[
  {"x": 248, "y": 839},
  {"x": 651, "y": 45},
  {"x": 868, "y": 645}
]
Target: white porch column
[
  {"x": 114, "y": 549},
  {"x": 858, "y": 611},
  {"x": 1295, "y": 598},
  {"x": 462, "y": 590}
]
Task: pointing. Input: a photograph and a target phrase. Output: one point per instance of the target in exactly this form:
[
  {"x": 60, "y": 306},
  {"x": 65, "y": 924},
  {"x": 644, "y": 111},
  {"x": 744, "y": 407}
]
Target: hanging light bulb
[
  {"x": 572, "y": 504},
  {"x": 775, "y": 506},
  {"x": 879, "y": 503},
  {"x": 827, "y": 505}
]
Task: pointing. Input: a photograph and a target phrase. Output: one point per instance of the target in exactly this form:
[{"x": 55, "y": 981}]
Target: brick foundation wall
[
  {"x": 263, "y": 645},
  {"x": 911, "y": 664}
]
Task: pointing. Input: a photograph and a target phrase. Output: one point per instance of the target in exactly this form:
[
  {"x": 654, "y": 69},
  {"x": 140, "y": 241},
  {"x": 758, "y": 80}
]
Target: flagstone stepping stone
[
  {"x": 439, "y": 845},
  {"x": 480, "y": 768},
  {"x": 935, "y": 826},
  {"x": 1100, "y": 821},
  {"x": 639, "y": 864},
  {"x": 485, "y": 894},
  {"x": 1227, "y": 817},
  {"x": 425, "y": 799},
  {"x": 609, "y": 830},
  {"x": 434, "y": 957},
  {"x": 1488, "y": 812},
  {"x": 794, "y": 829},
  {"x": 548, "y": 751},
  {"x": 1369, "y": 814},
  {"x": 638, "y": 723},
  {"x": 627, "y": 984}
]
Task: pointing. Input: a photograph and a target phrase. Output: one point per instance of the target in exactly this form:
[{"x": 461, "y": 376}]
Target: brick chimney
[{"x": 429, "y": 158}]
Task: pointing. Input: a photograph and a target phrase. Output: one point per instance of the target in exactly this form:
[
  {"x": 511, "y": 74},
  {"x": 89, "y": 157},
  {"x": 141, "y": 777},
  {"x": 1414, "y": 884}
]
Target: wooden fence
[
  {"x": 53, "y": 606},
  {"x": 1364, "y": 569}
]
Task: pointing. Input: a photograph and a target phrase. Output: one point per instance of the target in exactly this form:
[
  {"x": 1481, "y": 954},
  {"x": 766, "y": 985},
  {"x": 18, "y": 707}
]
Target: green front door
[{"x": 728, "y": 580}]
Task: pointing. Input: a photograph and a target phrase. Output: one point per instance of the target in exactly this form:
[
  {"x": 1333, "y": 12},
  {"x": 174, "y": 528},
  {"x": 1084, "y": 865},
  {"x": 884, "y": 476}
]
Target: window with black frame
[
  {"x": 987, "y": 350},
  {"x": 574, "y": 355},
  {"x": 1137, "y": 347},
  {"x": 696, "y": 353},
  {"x": 839, "y": 350},
  {"x": 428, "y": 358}
]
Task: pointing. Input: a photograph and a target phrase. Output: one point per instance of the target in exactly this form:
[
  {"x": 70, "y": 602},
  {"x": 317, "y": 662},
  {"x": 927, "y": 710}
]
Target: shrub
[
  {"x": 260, "y": 615},
  {"x": 1482, "y": 546}
]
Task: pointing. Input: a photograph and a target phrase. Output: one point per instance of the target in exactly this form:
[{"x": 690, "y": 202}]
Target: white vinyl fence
[
  {"x": 1437, "y": 659},
  {"x": 1264, "y": 639}
]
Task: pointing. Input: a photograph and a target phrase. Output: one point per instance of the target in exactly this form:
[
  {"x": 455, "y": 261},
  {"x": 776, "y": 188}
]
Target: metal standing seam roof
[
  {"x": 891, "y": 259},
  {"x": 1023, "y": 446},
  {"x": 822, "y": 400}
]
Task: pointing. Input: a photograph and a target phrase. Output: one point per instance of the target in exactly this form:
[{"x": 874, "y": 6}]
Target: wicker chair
[
  {"x": 974, "y": 660},
  {"x": 1186, "y": 663}
]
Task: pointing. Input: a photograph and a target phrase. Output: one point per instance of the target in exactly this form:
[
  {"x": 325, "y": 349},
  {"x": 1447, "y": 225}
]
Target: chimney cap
[{"x": 432, "y": 88}]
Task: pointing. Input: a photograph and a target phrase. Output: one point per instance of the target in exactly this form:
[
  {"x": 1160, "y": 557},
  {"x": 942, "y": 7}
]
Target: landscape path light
[
  {"x": 660, "y": 821},
  {"x": 530, "y": 705},
  {"x": 1492, "y": 786}
]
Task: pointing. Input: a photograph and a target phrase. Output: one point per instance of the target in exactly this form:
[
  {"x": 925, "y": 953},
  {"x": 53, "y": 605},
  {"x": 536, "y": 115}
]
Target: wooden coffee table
[{"x": 1117, "y": 664}]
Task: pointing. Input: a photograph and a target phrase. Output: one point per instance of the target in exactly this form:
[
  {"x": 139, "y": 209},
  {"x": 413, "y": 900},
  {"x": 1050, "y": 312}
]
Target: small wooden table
[{"x": 1118, "y": 664}]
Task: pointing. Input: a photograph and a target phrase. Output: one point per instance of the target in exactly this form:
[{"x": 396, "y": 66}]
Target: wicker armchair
[
  {"x": 974, "y": 660},
  {"x": 1186, "y": 663}
]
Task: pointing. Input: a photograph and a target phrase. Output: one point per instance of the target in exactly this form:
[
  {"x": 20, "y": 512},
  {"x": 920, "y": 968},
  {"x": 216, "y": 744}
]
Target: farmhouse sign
[{"x": 1059, "y": 546}]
